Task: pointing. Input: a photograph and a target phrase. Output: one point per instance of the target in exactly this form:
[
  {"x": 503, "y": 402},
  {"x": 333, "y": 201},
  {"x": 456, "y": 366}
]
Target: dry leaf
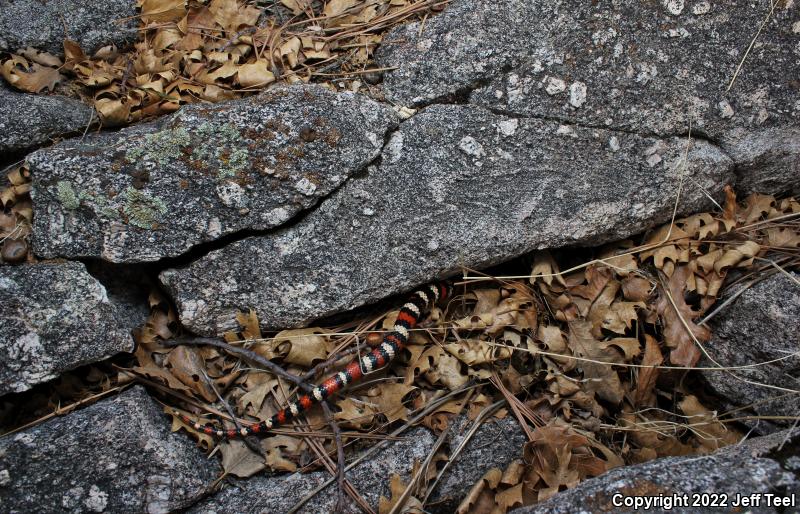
[
  {"x": 239, "y": 460},
  {"x": 162, "y": 11},
  {"x": 685, "y": 351},
  {"x": 188, "y": 367},
  {"x": 30, "y": 77}
]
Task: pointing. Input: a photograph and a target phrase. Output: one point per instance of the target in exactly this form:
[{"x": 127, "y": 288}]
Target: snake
[{"x": 417, "y": 305}]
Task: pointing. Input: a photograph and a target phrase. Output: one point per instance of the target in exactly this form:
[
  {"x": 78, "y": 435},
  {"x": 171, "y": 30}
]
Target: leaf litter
[
  {"x": 191, "y": 51},
  {"x": 591, "y": 360}
]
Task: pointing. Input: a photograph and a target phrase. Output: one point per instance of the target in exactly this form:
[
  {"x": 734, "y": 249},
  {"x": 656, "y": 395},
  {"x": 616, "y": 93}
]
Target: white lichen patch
[
  {"x": 653, "y": 153},
  {"x": 423, "y": 45},
  {"x": 508, "y": 127},
  {"x": 701, "y": 8},
  {"x": 97, "y": 500},
  {"x": 566, "y": 130},
  {"x": 603, "y": 36},
  {"x": 277, "y": 216},
  {"x": 472, "y": 147},
  {"x": 375, "y": 140},
  {"x": 231, "y": 194},
  {"x": 577, "y": 94},
  {"x": 214, "y": 228},
  {"x": 554, "y": 85},
  {"x": 394, "y": 148},
  {"x": 674, "y": 7},
  {"x": 305, "y": 187}
]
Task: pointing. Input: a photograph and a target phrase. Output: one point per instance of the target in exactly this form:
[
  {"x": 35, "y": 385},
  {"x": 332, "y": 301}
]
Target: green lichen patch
[
  {"x": 161, "y": 147},
  {"x": 143, "y": 209},
  {"x": 215, "y": 146},
  {"x": 67, "y": 195},
  {"x": 229, "y": 154}
]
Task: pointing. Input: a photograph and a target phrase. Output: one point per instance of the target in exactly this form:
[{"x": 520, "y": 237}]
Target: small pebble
[{"x": 14, "y": 251}]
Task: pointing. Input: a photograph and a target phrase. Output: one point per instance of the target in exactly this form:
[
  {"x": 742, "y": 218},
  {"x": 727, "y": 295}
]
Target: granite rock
[
  {"x": 494, "y": 444},
  {"x": 663, "y": 68},
  {"x": 56, "y": 317},
  {"x": 28, "y": 121},
  {"x": 457, "y": 186},
  {"x": 272, "y": 494},
  {"x": 117, "y": 455},
  {"x": 156, "y": 190},
  {"x": 45, "y": 24},
  {"x": 766, "y": 465},
  {"x": 762, "y": 324}
]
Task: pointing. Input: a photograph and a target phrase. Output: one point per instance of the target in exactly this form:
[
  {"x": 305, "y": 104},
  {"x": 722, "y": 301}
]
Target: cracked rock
[
  {"x": 28, "y": 121},
  {"x": 45, "y": 24},
  {"x": 279, "y": 493},
  {"x": 494, "y": 444},
  {"x": 117, "y": 455},
  {"x": 53, "y": 318},
  {"x": 619, "y": 65},
  {"x": 761, "y": 465},
  {"x": 156, "y": 190},
  {"x": 458, "y": 186},
  {"x": 456, "y": 51},
  {"x": 760, "y": 325}
]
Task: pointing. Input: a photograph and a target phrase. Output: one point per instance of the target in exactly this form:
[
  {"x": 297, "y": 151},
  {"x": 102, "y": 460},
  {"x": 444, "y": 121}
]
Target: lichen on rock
[
  {"x": 216, "y": 169},
  {"x": 143, "y": 210},
  {"x": 160, "y": 147},
  {"x": 67, "y": 196}
]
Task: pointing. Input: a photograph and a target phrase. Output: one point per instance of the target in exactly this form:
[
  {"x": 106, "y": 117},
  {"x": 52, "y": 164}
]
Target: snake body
[{"x": 418, "y": 303}]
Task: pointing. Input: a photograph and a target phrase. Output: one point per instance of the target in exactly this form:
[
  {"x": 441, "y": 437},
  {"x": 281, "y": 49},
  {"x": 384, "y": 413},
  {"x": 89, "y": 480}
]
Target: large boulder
[
  {"x": 45, "y": 24},
  {"x": 117, "y": 455},
  {"x": 753, "y": 469},
  {"x": 55, "y": 317},
  {"x": 157, "y": 190},
  {"x": 29, "y": 121},
  {"x": 760, "y": 328},
  {"x": 666, "y": 68},
  {"x": 457, "y": 186}
]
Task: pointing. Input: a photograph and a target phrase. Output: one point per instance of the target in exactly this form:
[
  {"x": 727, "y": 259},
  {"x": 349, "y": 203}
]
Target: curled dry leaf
[
  {"x": 388, "y": 398},
  {"x": 411, "y": 504},
  {"x": 188, "y": 367},
  {"x": 710, "y": 432},
  {"x": 303, "y": 346},
  {"x": 29, "y": 77}
]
